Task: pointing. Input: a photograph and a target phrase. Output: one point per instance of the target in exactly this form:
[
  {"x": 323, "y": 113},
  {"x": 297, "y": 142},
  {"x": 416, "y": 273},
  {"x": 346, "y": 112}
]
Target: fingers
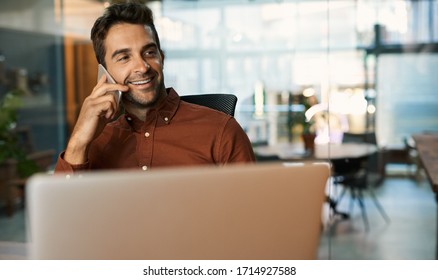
[
  {"x": 101, "y": 106},
  {"x": 102, "y": 87},
  {"x": 102, "y": 101}
]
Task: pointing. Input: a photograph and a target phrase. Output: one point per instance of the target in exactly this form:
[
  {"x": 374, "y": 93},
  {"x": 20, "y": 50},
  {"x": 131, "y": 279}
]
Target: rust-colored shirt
[{"x": 175, "y": 134}]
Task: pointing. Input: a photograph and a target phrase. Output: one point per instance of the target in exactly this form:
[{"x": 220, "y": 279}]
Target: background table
[
  {"x": 427, "y": 149},
  {"x": 295, "y": 151}
]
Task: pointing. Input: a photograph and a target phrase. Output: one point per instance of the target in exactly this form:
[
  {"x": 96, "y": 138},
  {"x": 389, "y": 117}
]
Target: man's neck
[{"x": 141, "y": 111}]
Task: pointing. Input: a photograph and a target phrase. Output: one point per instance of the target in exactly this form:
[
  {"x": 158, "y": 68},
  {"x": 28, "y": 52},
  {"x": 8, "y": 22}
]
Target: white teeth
[{"x": 141, "y": 82}]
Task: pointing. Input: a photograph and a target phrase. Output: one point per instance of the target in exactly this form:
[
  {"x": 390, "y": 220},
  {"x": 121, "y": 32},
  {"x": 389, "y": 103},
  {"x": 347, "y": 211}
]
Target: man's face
[{"x": 132, "y": 58}]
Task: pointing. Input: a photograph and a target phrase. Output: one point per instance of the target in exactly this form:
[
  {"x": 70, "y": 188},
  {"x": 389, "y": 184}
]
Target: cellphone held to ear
[{"x": 102, "y": 71}]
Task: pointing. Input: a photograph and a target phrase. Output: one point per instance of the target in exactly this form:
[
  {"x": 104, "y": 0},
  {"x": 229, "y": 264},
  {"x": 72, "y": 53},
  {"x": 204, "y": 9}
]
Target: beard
[{"x": 144, "y": 100}]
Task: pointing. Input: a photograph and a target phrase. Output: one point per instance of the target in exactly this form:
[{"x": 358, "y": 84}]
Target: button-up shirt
[{"x": 176, "y": 133}]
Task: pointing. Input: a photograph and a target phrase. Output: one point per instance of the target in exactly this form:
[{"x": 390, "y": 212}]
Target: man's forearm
[{"x": 76, "y": 154}]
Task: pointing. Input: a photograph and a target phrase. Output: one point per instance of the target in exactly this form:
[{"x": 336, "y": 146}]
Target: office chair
[
  {"x": 219, "y": 101},
  {"x": 375, "y": 161},
  {"x": 352, "y": 174},
  {"x": 265, "y": 158}
]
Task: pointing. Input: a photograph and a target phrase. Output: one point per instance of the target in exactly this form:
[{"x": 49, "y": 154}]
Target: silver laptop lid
[{"x": 235, "y": 212}]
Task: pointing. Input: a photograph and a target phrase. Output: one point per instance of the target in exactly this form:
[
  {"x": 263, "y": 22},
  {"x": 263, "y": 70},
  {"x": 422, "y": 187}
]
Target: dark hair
[{"x": 134, "y": 13}]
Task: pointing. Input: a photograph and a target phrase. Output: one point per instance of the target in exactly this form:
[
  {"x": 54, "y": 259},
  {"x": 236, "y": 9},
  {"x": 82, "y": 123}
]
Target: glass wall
[
  {"x": 292, "y": 45},
  {"x": 31, "y": 60}
]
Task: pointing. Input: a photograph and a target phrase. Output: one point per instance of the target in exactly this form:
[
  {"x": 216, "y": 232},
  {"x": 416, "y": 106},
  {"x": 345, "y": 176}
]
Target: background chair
[
  {"x": 352, "y": 174},
  {"x": 219, "y": 101},
  {"x": 374, "y": 161}
]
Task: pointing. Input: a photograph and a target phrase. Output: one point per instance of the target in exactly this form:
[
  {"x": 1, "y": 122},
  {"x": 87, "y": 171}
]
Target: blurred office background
[{"x": 371, "y": 64}]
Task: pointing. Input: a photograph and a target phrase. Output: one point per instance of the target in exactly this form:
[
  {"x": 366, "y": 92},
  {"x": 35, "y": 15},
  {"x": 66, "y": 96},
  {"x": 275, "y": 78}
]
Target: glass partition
[{"x": 345, "y": 70}]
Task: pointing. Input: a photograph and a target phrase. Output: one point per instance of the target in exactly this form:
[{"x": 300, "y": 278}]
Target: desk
[
  {"x": 427, "y": 148},
  {"x": 295, "y": 151}
]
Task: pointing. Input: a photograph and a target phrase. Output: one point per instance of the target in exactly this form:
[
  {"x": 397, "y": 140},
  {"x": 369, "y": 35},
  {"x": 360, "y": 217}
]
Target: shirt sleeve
[
  {"x": 62, "y": 166},
  {"x": 235, "y": 146}
]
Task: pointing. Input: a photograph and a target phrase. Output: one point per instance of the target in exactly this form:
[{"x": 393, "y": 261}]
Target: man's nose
[{"x": 142, "y": 66}]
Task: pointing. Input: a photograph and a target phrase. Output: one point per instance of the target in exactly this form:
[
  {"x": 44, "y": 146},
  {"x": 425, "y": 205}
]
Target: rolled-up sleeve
[{"x": 62, "y": 166}]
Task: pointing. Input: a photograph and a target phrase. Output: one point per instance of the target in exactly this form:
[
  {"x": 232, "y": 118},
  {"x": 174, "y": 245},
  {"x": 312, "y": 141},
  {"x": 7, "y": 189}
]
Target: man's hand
[{"x": 99, "y": 108}]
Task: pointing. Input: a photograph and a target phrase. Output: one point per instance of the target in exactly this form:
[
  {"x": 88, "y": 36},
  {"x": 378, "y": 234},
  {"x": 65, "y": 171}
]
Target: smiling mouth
[{"x": 142, "y": 82}]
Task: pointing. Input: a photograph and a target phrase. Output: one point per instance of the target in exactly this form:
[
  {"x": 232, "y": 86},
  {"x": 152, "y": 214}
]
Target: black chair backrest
[
  {"x": 367, "y": 137},
  {"x": 219, "y": 101},
  {"x": 348, "y": 165}
]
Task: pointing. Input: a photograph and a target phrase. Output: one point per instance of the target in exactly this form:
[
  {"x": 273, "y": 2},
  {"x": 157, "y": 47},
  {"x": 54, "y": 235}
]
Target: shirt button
[
  {"x": 144, "y": 168},
  {"x": 166, "y": 119},
  {"x": 147, "y": 134}
]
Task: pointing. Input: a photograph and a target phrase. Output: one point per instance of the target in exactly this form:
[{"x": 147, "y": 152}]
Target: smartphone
[{"x": 102, "y": 71}]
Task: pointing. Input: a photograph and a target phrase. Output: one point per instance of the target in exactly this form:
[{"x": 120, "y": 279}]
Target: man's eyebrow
[
  {"x": 150, "y": 45},
  {"x": 117, "y": 52},
  {"x": 126, "y": 50}
]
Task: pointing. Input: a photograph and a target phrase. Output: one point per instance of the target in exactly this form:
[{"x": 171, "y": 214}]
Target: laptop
[{"x": 235, "y": 212}]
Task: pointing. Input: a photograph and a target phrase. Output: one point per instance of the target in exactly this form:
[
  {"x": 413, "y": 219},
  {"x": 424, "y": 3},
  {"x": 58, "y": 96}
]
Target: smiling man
[{"x": 157, "y": 128}]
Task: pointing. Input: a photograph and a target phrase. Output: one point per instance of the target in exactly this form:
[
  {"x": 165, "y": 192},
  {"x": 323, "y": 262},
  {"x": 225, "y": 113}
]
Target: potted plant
[
  {"x": 12, "y": 155},
  {"x": 306, "y": 130},
  {"x": 17, "y": 160},
  {"x": 305, "y": 127}
]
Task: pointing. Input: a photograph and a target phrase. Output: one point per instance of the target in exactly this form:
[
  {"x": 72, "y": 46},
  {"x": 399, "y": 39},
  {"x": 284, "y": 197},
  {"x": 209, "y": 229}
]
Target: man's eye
[
  {"x": 122, "y": 58},
  {"x": 150, "y": 53}
]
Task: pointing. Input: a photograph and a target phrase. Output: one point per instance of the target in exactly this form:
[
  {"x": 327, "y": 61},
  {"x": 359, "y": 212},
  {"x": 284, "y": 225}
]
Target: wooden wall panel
[{"x": 81, "y": 75}]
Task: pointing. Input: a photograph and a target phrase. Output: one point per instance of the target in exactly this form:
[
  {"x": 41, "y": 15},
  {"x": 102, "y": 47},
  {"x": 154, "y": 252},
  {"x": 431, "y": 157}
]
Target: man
[{"x": 157, "y": 129}]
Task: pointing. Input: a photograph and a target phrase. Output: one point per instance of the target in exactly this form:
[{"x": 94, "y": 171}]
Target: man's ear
[{"x": 162, "y": 56}]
